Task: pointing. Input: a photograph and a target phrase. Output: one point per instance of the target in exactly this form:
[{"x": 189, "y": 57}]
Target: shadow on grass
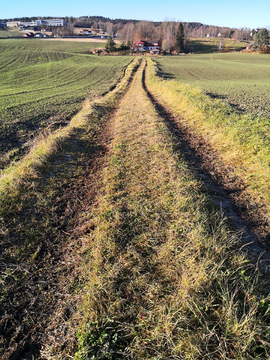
[
  {"x": 165, "y": 75},
  {"x": 235, "y": 107},
  {"x": 199, "y": 46}
]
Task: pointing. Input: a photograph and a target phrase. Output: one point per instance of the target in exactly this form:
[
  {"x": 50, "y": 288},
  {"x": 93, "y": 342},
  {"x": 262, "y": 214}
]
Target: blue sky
[{"x": 232, "y": 13}]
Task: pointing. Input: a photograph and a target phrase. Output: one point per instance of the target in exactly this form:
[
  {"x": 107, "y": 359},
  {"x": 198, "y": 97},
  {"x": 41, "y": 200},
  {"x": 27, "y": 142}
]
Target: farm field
[
  {"x": 241, "y": 80},
  {"x": 113, "y": 248},
  {"x": 5, "y": 34},
  {"x": 209, "y": 45},
  {"x": 43, "y": 83},
  {"x": 140, "y": 230}
]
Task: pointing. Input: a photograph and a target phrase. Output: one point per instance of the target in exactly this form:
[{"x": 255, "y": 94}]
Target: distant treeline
[
  {"x": 32, "y": 18},
  {"x": 131, "y": 30},
  {"x": 71, "y": 19},
  {"x": 89, "y": 21}
]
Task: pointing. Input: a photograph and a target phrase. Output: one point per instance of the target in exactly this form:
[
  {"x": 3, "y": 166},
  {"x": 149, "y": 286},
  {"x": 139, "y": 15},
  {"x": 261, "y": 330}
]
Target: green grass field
[
  {"x": 5, "y": 34},
  {"x": 44, "y": 83},
  {"x": 209, "y": 45},
  {"x": 242, "y": 80}
]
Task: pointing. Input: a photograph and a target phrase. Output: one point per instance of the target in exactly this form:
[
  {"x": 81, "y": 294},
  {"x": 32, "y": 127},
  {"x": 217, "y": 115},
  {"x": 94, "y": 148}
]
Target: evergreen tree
[
  {"x": 122, "y": 46},
  {"x": 179, "y": 42},
  {"x": 262, "y": 39},
  {"x": 110, "y": 45}
]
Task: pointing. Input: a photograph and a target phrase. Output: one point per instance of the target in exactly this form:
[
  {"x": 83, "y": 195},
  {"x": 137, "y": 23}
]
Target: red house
[{"x": 143, "y": 45}]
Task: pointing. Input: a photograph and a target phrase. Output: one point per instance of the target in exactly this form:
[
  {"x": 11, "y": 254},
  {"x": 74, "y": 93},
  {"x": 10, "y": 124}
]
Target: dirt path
[
  {"x": 34, "y": 320},
  {"x": 89, "y": 40}
]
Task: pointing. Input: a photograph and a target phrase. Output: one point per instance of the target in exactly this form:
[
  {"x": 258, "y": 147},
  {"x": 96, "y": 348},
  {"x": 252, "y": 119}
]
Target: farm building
[
  {"x": 54, "y": 22},
  {"x": 49, "y": 22},
  {"x": 143, "y": 45},
  {"x": 12, "y": 23},
  {"x": 25, "y": 24}
]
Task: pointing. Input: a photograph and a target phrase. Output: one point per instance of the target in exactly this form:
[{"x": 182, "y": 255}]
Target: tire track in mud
[{"x": 223, "y": 186}]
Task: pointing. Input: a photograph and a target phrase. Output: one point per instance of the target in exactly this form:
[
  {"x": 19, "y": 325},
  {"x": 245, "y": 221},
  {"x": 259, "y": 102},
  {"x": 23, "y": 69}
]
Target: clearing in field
[{"x": 209, "y": 45}]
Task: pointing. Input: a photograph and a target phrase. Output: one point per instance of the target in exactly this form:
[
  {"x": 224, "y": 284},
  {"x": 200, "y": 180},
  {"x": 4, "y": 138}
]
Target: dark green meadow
[
  {"x": 43, "y": 83},
  {"x": 5, "y": 34},
  {"x": 242, "y": 80}
]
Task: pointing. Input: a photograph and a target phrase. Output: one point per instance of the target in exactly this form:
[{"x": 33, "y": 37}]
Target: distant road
[{"x": 84, "y": 39}]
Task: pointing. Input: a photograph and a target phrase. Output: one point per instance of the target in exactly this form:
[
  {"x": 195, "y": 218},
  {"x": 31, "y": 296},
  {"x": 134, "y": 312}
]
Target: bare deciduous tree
[{"x": 127, "y": 32}]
